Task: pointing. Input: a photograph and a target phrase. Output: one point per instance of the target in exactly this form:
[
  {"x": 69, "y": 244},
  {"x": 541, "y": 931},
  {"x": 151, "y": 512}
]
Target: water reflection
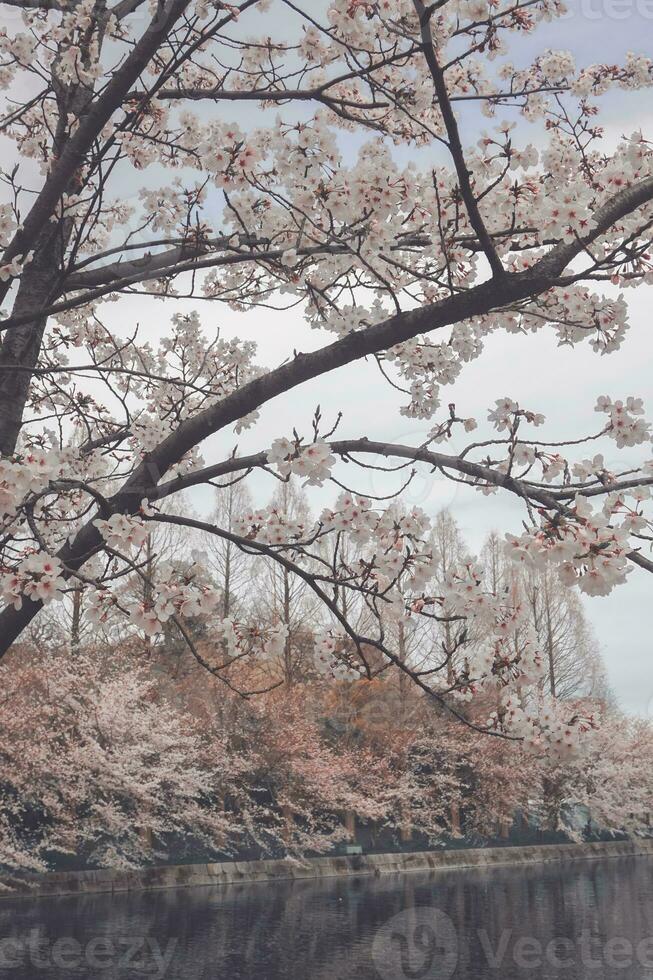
[{"x": 588, "y": 921}]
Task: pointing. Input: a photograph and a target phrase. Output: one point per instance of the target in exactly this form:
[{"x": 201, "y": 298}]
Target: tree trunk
[
  {"x": 287, "y": 653},
  {"x": 76, "y": 619},
  {"x": 549, "y": 640},
  {"x": 21, "y": 345},
  {"x": 455, "y": 819},
  {"x": 350, "y": 824}
]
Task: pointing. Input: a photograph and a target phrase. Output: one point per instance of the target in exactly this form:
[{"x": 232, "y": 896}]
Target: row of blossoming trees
[
  {"x": 152, "y": 753},
  {"x": 252, "y": 156}
]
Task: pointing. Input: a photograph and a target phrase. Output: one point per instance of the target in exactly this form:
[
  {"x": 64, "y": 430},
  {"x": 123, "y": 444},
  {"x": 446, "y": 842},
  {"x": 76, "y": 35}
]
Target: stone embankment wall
[{"x": 238, "y": 872}]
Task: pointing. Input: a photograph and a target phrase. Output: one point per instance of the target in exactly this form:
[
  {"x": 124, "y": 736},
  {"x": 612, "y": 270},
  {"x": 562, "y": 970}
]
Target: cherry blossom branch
[
  {"x": 455, "y": 144},
  {"x": 96, "y": 117},
  {"x": 359, "y": 641},
  {"x": 477, "y": 300}
]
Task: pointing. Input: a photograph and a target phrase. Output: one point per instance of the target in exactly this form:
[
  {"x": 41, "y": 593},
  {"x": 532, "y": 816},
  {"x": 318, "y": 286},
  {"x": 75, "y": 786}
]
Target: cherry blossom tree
[
  {"x": 106, "y": 762},
  {"x": 312, "y": 782},
  {"x": 97, "y": 764},
  {"x": 266, "y": 143},
  {"x": 115, "y": 759},
  {"x": 610, "y": 778}
]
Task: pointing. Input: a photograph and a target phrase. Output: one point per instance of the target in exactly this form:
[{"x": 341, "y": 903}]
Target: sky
[{"x": 562, "y": 383}]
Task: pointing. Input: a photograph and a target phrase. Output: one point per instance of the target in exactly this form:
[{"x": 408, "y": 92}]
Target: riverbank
[{"x": 237, "y": 872}]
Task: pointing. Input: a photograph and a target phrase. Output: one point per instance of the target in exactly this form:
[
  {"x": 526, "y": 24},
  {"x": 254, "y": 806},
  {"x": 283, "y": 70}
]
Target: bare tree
[
  {"x": 279, "y": 597},
  {"x": 230, "y": 568}
]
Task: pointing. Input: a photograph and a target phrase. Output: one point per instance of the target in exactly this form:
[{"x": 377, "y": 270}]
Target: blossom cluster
[
  {"x": 123, "y": 533},
  {"x": 176, "y": 595},
  {"x": 625, "y": 427},
  {"x": 26, "y": 474},
  {"x": 37, "y": 576},
  {"x": 507, "y": 412},
  {"x": 270, "y": 525},
  {"x": 586, "y": 548},
  {"x": 330, "y": 659},
  {"x": 313, "y": 461},
  {"x": 508, "y": 655},
  {"x": 545, "y": 725}
]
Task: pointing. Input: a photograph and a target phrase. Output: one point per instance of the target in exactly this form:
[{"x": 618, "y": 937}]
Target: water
[{"x": 586, "y": 921}]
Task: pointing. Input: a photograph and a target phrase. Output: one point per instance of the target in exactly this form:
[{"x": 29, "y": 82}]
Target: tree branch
[
  {"x": 481, "y": 299},
  {"x": 455, "y": 145}
]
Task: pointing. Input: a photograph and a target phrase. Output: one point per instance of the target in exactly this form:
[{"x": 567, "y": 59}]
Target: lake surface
[{"x": 586, "y": 921}]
